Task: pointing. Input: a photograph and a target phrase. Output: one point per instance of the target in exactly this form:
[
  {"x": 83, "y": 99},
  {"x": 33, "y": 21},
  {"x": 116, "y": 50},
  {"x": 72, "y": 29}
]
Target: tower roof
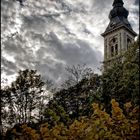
[
  {"x": 118, "y": 17},
  {"x": 117, "y": 2},
  {"x": 118, "y": 10}
]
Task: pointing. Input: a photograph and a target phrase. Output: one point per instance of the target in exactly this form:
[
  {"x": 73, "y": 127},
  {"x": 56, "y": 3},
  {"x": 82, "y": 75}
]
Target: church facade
[{"x": 118, "y": 35}]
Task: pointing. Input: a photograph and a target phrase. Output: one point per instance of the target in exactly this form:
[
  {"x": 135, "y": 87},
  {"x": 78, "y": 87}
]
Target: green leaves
[
  {"x": 23, "y": 96},
  {"x": 121, "y": 80}
]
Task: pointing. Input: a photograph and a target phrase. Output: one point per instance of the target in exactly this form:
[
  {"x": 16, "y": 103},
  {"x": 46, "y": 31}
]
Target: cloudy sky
[{"x": 48, "y": 35}]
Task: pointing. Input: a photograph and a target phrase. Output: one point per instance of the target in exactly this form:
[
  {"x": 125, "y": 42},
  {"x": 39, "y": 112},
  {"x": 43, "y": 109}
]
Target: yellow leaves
[
  {"x": 45, "y": 132},
  {"x": 100, "y": 125},
  {"x": 128, "y": 105},
  {"x": 14, "y": 131},
  {"x": 95, "y": 106},
  {"x": 29, "y": 132},
  {"x": 135, "y": 110},
  {"x": 134, "y": 121},
  {"x": 96, "y": 136},
  {"x": 44, "y": 125},
  {"x": 101, "y": 132},
  {"x": 24, "y": 126},
  {"x": 117, "y": 112},
  {"x": 114, "y": 103},
  {"x": 133, "y": 129}
]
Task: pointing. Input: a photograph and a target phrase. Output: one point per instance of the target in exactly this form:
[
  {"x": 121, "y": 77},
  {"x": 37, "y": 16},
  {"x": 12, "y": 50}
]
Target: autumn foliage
[
  {"x": 96, "y": 107},
  {"x": 120, "y": 125}
]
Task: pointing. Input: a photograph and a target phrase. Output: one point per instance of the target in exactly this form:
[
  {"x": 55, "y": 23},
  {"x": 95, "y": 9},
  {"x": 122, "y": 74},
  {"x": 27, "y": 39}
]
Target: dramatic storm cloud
[{"x": 48, "y": 35}]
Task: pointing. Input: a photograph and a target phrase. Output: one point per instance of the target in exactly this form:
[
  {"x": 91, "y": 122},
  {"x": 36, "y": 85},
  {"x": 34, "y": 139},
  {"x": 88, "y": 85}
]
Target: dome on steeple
[
  {"x": 118, "y": 3},
  {"x": 118, "y": 35},
  {"x": 118, "y": 10},
  {"x": 118, "y": 17}
]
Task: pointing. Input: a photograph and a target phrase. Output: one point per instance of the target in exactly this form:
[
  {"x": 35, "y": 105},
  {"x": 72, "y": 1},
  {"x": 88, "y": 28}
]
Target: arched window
[
  {"x": 114, "y": 40},
  {"x": 112, "y": 51},
  {"x": 128, "y": 43},
  {"x": 116, "y": 49},
  {"x": 113, "y": 46}
]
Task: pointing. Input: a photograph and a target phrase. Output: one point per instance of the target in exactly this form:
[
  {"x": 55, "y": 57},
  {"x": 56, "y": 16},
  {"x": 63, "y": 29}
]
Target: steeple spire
[
  {"x": 118, "y": 3},
  {"x": 118, "y": 16},
  {"x": 118, "y": 10},
  {"x": 118, "y": 35}
]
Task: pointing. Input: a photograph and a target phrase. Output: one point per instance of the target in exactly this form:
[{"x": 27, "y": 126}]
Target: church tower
[{"x": 118, "y": 35}]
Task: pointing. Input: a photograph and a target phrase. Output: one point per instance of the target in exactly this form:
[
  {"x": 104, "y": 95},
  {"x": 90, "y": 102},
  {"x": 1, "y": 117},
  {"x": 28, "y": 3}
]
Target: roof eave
[{"x": 107, "y": 32}]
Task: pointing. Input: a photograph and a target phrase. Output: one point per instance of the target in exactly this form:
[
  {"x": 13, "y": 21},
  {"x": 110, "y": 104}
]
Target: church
[{"x": 118, "y": 35}]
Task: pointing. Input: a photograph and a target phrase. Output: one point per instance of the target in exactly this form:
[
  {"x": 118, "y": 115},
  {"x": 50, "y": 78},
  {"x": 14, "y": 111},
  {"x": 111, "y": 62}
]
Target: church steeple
[
  {"x": 118, "y": 17},
  {"x": 118, "y": 3},
  {"x": 118, "y": 10},
  {"x": 118, "y": 34}
]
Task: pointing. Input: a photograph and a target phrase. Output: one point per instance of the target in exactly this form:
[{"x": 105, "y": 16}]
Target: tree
[
  {"x": 2, "y": 105},
  {"x": 76, "y": 100},
  {"x": 131, "y": 72},
  {"x": 24, "y": 95},
  {"x": 121, "y": 80},
  {"x": 100, "y": 125},
  {"x": 76, "y": 74}
]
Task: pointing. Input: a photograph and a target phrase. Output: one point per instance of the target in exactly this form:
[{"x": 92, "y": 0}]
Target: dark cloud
[
  {"x": 74, "y": 53},
  {"x": 34, "y": 23},
  {"x": 8, "y": 66},
  {"x": 102, "y": 5},
  {"x": 137, "y": 2},
  {"x": 48, "y": 35},
  {"x": 13, "y": 47}
]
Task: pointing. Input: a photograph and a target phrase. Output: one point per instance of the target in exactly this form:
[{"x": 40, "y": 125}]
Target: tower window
[
  {"x": 128, "y": 43},
  {"x": 116, "y": 49},
  {"x": 112, "y": 51},
  {"x": 114, "y": 40}
]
